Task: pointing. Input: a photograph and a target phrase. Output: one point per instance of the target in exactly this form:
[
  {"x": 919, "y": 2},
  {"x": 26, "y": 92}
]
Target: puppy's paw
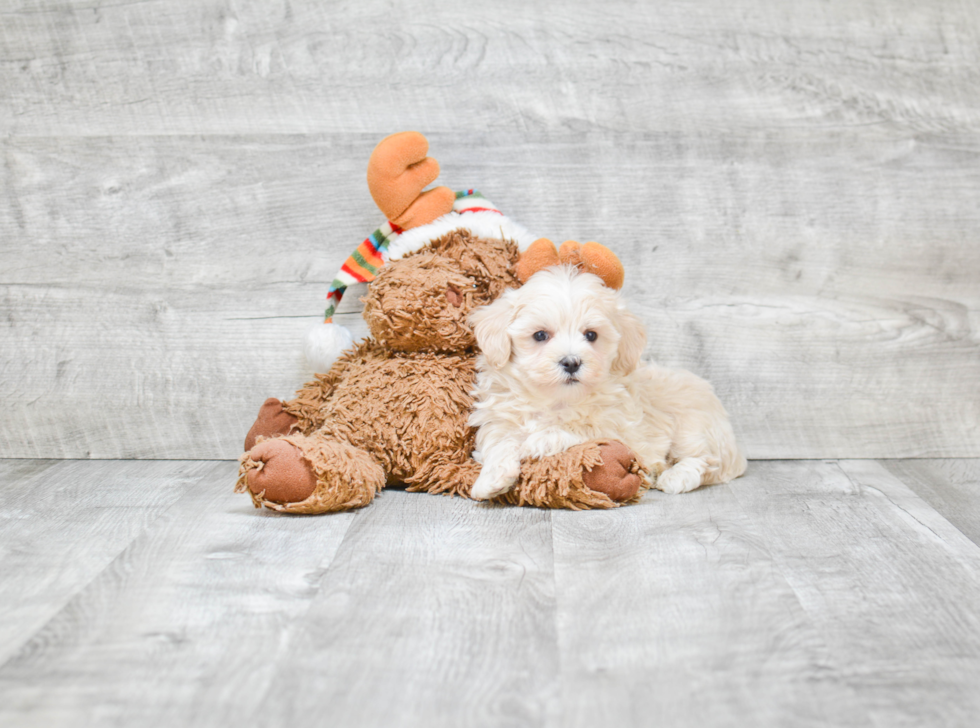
[
  {"x": 485, "y": 488},
  {"x": 494, "y": 481},
  {"x": 683, "y": 477}
]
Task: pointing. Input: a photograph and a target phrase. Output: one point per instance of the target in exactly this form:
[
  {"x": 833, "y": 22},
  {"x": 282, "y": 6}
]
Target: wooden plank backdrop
[{"x": 793, "y": 187}]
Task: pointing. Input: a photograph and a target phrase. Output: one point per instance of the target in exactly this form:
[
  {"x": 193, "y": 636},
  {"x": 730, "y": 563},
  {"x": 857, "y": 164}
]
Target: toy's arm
[
  {"x": 308, "y": 403},
  {"x": 596, "y": 474}
]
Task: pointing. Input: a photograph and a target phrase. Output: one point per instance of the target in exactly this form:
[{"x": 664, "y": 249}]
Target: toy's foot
[
  {"x": 299, "y": 474},
  {"x": 284, "y": 475},
  {"x": 615, "y": 476},
  {"x": 272, "y": 420}
]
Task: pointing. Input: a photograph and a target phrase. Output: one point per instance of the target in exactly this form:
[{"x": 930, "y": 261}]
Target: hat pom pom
[{"x": 324, "y": 343}]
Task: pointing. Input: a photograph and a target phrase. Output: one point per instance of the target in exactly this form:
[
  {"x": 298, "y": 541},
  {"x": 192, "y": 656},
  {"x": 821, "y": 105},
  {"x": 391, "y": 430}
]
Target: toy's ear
[
  {"x": 632, "y": 341},
  {"x": 490, "y": 328},
  {"x": 398, "y": 171}
]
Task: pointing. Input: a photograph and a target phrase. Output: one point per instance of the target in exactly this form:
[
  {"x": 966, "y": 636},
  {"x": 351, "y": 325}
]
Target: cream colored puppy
[{"x": 560, "y": 366}]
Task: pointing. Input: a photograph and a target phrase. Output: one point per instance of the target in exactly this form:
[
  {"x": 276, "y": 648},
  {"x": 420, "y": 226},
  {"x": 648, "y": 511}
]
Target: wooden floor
[{"x": 832, "y": 593}]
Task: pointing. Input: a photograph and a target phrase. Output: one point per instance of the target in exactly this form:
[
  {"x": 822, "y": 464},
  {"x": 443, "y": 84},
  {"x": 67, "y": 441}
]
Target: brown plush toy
[{"x": 394, "y": 408}]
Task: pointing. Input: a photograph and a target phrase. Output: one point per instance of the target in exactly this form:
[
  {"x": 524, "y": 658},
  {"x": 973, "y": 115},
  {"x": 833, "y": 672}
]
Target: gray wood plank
[
  {"x": 15, "y": 471},
  {"x": 209, "y": 67},
  {"x": 435, "y": 612},
  {"x": 805, "y": 593},
  {"x": 64, "y": 522},
  {"x": 157, "y": 291},
  {"x": 950, "y": 486},
  {"x": 677, "y": 612},
  {"x": 187, "y": 270},
  {"x": 186, "y": 626},
  {"x": 890, "y": 586}
]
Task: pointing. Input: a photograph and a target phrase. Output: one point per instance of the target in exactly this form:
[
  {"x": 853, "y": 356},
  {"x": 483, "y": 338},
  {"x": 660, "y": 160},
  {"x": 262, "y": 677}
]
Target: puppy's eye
[
  {"x": 541, "y": 336},
  {"x": 591, "y": 336}
]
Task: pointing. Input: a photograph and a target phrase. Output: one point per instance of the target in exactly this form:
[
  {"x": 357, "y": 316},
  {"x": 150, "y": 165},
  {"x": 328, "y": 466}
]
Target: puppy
[{"x": 560, "y": 367}]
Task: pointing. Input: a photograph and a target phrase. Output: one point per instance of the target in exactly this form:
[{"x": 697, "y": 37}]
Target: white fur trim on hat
[
  {"x": 483, "y": 224},
  {"x": 324, "y": 343}
]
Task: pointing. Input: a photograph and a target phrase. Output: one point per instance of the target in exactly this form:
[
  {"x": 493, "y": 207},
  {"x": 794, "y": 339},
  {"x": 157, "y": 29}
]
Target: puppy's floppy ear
[
  {"x": 633, "y": 339},
  {"x": 490, "y": 328}
]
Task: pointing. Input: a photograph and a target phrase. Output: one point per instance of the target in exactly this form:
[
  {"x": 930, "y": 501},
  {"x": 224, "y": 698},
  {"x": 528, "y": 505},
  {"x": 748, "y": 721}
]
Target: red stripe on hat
[
  {"x": 352, "y": 268},
  {"x": 480, "y": 209}
]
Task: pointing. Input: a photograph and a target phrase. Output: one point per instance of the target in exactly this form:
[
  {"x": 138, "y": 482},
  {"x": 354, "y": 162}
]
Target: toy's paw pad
[
  {"x": 284, "y": 475},
  {"x": 614, "y": 476},
  {"x": 272, "y": 420}
]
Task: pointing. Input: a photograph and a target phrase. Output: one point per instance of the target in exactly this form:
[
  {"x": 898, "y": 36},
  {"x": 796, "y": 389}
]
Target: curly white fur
[{"x": 560, "y": 366}]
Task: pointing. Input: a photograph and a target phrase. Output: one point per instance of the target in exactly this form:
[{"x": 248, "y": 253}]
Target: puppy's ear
[
  {"x": 490, "y": 328},
  {"x": 633, "y": 339}
]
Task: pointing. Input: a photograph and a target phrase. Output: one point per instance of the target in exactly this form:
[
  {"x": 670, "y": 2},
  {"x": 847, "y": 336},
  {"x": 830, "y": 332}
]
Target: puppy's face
[{"x": 560, "y": 335}]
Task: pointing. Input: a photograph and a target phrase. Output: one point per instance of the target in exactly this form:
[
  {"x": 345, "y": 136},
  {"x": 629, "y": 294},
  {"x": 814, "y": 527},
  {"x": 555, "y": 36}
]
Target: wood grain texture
[
  {"x": 675, "y": 613},
  {"x": 436, "y": 611},
  {"x": 185, "y": 626},
  {"x": 158, "y": 334},
  {"x": 159, "y": 292},
  {"x": 375, "y": 66},
  {"x": 792, "y": 189},
  {"x": 890, "y": 586},
  {"x": 806, "y": 593},
  {"x": 952, "y": 487},
  {"x": 64, "y": 522}
]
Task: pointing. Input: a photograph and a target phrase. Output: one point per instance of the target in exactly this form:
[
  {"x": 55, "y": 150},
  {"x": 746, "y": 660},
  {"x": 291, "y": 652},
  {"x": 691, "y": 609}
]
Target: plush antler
[
  {"x": 591, "y": 258},
  {"x": 397, "y": 173},
  {"x": 539, "y": 255}
]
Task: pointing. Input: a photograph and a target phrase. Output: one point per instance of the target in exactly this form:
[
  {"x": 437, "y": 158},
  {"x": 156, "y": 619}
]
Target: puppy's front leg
[
  {"x": 501, "y": 468},
  {"x": 684, "y": 476}
]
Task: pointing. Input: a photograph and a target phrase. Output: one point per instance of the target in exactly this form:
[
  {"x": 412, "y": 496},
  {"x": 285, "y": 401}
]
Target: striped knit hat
[{"x": 471, "y": 210}]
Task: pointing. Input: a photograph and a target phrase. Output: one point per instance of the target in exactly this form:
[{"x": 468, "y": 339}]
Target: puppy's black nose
[{"x": 570, "y": 364}]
